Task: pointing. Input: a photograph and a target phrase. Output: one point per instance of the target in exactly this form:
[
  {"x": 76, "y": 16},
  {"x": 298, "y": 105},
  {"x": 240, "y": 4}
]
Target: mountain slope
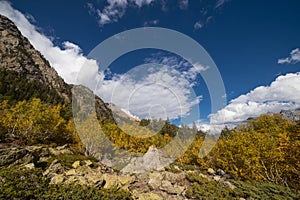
[
  {"x": 19, "y": 60},
  {"x": 26, "y": 74}
]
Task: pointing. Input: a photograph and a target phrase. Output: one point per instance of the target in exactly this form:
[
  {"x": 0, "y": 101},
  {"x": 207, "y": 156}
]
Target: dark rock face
[{"x": 19, "y": 57}]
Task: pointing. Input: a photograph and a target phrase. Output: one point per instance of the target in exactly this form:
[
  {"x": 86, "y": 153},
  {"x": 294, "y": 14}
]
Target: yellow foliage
[{"x": 265, "y": 149}]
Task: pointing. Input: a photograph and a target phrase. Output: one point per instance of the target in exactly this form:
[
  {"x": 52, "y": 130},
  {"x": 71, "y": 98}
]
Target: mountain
[
  {"x": 121, "y": 115},
  {"x": 292, "y": 115},
  {"x": 26, "y": 74}
]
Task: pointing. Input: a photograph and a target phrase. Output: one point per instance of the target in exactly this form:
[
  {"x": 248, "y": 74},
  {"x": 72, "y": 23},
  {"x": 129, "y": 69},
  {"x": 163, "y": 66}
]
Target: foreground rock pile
[{"x": 148, "y": 185}]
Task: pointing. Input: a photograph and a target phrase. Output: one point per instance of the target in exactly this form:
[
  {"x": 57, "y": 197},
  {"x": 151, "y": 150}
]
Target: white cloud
[
  {"x": 183, "y": 4},
  {"x": 158, "y": 90},
  {"x": 219, "y": 3},
  {"x": 188, "y": 69},
  {"x": 292, "y": 59},
  {"x": 283, "y": 93},
  {"x": 115, "y": 9},
  {"x": 67, "y": 62},
  {"x": 198, "y": 25}
]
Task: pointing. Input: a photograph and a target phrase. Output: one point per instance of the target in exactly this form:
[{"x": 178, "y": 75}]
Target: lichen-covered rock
[
  {"x": 57, "y": 179},
  {"x": 211, "y": 171},
  {"x": 54, "y": 169},
  {"x": 148, "y": 196},
  {"x": 76, "y": 164}
]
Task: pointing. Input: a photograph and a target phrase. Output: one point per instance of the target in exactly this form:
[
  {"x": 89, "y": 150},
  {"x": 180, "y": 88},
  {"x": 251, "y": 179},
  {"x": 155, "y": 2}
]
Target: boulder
[
  {"x": 228, "y": 184},
  {"x": 83, "y": 170},
  {"x": 211, "y": 171},
  {"x": 54, "y": 168},
  {"x": 122, "y": 181},
  {"x": 76, "y": 164},
  {"x": 155, "y": 180},
  {"x": 220, "y": 172},
  {"x": 171, "y": 189},
  {"x": 29, "y": 166},
  {"x": 217, "y": 178},
  {"x": 95, "y": 180},
  {"x": 153, "y": 159},
  {"x": 60, "y": 150},
  {"x": 57, "y": 179},
  {"x": 71, "y": 172},
  {"x": 110, "y": 180},
  {"x": 148, "y": 196},
  {"x": 175, "y": 178},
  {"x": 88, "y": 163}
]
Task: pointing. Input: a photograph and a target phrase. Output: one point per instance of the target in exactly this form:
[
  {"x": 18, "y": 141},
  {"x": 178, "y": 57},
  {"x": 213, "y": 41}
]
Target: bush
[
  {"x": 202, "y": 188},
  {"x": 265, "y": 149},
  {"x": 36, "y": 122}
]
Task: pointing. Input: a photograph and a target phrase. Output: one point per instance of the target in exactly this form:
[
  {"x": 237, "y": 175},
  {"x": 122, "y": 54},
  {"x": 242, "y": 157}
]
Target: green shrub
[{"x": 202, "y": 188}]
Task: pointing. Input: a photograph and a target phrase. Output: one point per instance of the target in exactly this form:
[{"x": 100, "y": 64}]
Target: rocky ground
[
  {"x": 72, "y": 175},
  {"x": 60, "y": 166}
]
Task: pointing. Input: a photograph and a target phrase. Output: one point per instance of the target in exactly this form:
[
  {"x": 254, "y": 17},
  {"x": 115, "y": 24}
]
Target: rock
[
  {"x": 153, "y": 159},
  {"x": 171, "y": 189},
  {"x": 125, "y": 181},
  {"x": 204, "y": 176},
  {"x": 82, "y": 180},
  {"x": 88, "y": 163},
  {"x": 53, "y": 169},
  {"x": 60, "y": 150},
  {"x": 95, "y": 179},
  {"x": 15, "y": 156},
  {"x": 228, "y": 184},
  {"x": 176, "y": 168},
  {"x": 211, "y": 171},
  {"x": 217, "y": 178},
  {"x": 148, "y": 196},
  {"x": 110, "y": 180},
  {"x": 76, "y": 164},
  {"x": 178, "y": 178},
  {"x": 71, "y": 179},
  {"x": 155, "y": 179},
  {"x": 83, "y": 170},
  {"x": 29, "y": 166},
  {"x": 221, "y": 172},
  {"x": 71, "y": 172},
  {"x": 115, "y": 180},
  {"x": 57, "y": 179}
]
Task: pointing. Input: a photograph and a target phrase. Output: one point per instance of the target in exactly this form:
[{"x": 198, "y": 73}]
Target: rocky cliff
[{"x": 25, "y": 73}]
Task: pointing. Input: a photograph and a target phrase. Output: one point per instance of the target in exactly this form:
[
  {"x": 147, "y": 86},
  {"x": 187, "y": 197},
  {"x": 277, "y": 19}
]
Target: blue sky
[{"x": 246, "y": 40}]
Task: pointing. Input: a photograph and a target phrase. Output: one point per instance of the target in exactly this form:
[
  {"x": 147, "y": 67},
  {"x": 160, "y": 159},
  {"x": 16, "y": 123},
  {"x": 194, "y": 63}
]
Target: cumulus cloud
[
  {"x": 151, "y": 90},
  {"x": 292, "y": 59},
  {"x": 282, "y": 93},
  {"x": 188, "y": 69},
  {"x": 161, "y": 88},
  {"x": 67, "y": 62},
  {"x": 115, "y": 9}
]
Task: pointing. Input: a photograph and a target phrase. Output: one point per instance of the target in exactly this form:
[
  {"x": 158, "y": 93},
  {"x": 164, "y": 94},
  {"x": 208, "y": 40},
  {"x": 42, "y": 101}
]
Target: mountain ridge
[{"x": 26, "y": 74}]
